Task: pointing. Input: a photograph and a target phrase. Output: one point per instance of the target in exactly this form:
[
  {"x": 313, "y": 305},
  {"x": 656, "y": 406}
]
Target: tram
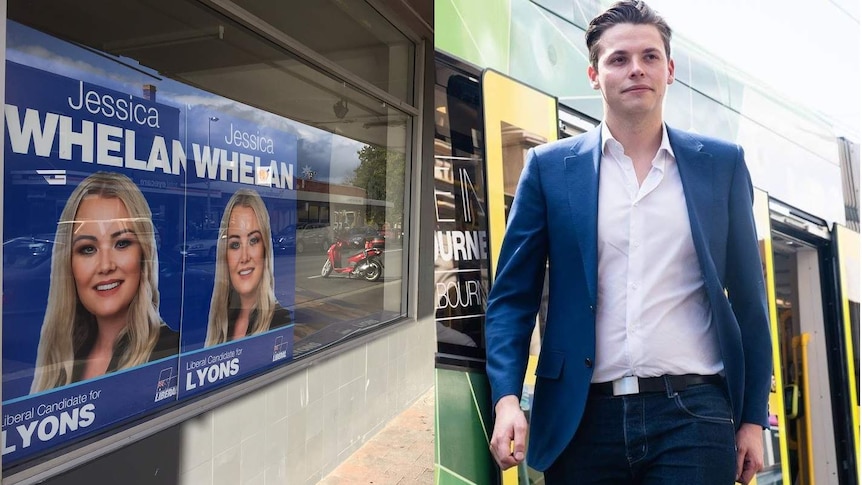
[{"x": 486, "y": 121}]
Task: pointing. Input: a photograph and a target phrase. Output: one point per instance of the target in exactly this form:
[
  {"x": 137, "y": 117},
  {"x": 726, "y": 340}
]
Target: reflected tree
[{"x": 381, "y": 174}]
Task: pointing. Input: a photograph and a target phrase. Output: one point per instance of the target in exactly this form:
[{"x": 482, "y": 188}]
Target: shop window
[
  {"x": 351, "y": 34},
  {"x": 163, "y": 166}
]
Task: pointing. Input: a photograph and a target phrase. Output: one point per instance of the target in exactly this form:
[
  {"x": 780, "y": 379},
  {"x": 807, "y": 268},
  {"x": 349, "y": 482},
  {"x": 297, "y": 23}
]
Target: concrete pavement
[{"x": 402, "y": 453}]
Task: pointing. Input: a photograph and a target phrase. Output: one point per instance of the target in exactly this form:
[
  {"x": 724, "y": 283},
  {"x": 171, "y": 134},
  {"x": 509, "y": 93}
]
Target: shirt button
[
  {"x": 634, "y": 286},
  {"x": 588, "y": 362}
]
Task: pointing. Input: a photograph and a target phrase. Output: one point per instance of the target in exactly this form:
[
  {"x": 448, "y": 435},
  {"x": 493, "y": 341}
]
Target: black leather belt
[{"x": 636, "y": 385}]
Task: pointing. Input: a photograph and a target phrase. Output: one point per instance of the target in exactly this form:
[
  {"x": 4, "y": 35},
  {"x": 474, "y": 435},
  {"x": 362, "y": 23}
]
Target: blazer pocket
[{"x": 550, "y": 364}]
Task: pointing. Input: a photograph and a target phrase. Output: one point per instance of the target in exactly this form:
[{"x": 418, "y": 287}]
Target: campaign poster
[
  {"x": 239, "y": 247},
  {"x": 93, "y": 196}
]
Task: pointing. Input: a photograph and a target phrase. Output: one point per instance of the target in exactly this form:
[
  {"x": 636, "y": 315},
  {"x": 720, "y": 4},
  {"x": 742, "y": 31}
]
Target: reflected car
[
  {"x": 284, "y": 240},
  {"x": 313, "y": 236},
  {"x": 26, "y": 273},
  {"x": 357, "y": 236},
  {"x": 26, "y": 277},
  {"x": 27, "y": 252},
  {"x": 201, "y": 246},
  {"x": 393, "y": 233}
]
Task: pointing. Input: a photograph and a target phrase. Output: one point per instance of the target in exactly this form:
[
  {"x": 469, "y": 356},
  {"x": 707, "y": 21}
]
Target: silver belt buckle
[{"x": 626, "y": 385}]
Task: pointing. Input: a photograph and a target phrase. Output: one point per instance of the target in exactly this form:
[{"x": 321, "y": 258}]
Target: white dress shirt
[{"x": 653, "y": 315}]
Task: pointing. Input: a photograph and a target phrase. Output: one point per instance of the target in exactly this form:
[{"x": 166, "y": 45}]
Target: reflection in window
[
  {"x": 339, "y": 155},
  {"x": 351, "y": 34},
  {"x": 460, "y": 236}
]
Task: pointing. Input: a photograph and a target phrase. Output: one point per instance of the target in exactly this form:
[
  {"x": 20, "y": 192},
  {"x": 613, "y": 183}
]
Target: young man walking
[{"x": 656, "y": 359}]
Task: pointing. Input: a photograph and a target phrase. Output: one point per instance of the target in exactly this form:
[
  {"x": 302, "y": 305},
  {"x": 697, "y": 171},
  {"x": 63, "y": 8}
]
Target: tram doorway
[{"x": 811, "y": 439}]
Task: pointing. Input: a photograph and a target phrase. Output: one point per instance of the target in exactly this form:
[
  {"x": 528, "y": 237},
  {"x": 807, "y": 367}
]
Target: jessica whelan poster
[
  {"x": 120, "y": 215},
  {"x": 240, "y": 247},
  {"x": 90, "y": 301}
]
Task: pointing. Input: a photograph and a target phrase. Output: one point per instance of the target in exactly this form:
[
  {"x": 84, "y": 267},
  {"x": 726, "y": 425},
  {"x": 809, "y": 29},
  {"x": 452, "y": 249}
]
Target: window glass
[
  {"x": 706, "y": 78},
  {"x": 549, "y": 53},
  {"x": 461, "y": 229},
  {"x": 350, "y": 33},
  {"x": 562, "y": 8},
  {"x": 185, "y": 205}
]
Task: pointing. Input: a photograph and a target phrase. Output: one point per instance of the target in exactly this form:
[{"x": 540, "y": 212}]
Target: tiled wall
[{"x": 300, "y": 428}]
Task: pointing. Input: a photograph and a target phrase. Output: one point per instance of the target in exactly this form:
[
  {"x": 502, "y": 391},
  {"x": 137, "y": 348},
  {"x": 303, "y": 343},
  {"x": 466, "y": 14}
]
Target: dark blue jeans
[{"x": 650, "y": 439}]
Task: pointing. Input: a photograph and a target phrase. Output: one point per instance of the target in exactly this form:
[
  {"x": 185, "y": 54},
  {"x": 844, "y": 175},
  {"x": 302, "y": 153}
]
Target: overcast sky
[{"x": 809, "y": 51}]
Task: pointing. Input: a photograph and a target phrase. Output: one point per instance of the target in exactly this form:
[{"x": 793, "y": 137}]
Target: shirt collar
[{"x": 611, "y": 143}]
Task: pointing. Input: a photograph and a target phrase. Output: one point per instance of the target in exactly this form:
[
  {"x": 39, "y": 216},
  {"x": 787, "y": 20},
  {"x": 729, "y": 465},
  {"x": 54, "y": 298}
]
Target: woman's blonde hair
[
  {"x": 67, "y": 324},
  {"x": 225, "y": 298}
]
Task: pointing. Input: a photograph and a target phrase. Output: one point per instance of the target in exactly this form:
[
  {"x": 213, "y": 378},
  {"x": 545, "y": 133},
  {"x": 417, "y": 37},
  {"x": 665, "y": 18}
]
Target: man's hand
[
  {"x": 510, "y": 426},
  {"x": 749, "y": 451}
]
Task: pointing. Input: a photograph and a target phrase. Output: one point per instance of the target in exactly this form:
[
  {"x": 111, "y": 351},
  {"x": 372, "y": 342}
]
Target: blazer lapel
[
  {"x": 696, "y": 173},
  {"x": 582, "y": 179}
]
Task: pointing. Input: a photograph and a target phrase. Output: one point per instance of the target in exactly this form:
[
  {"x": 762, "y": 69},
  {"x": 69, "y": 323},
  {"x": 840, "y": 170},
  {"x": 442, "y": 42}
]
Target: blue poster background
[
  {"x": 103, "y": 130},
  {"x": 216, "y": 366},
  {"x": 36, "y": 423},
  {"x": 212, "y": 132},
  {"x": 36, "y": 188},
  {"x": 60, "y": 130}
]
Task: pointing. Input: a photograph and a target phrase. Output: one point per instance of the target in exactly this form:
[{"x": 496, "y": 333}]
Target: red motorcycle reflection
[{"x": 364, "y": 264}]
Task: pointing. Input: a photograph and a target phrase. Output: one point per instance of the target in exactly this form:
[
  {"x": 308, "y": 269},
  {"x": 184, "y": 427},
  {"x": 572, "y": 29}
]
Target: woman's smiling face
[
  {"x": 245, "y": 254},
  {"x": 106, "y": 258}
]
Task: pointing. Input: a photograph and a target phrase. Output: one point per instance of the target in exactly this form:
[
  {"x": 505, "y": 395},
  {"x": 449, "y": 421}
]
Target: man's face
[{"x": 633, "y": 71}]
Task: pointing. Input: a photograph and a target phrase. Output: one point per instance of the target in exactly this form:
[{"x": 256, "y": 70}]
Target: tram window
[
  {"x": 459, "y": 179},
  {"x": 516, "y": 143}
]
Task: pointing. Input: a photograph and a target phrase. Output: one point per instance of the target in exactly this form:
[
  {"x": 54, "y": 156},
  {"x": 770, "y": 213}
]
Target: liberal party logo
[
  {"x": 279, "y": 350},
  {"x": 167, "y": 385}
]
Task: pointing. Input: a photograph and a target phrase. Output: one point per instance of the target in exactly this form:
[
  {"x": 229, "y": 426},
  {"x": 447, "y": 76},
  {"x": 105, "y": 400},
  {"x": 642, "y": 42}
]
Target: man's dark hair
[{"x": 624, "y": 12}]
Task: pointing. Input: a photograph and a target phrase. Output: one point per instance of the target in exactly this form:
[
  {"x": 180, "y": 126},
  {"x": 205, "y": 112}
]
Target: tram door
[
  {"x": 846, "y": 247},
  {"x": 811, "y": 436},
  {"x": 775, "y": 460},
  {"x": 461, "y": 267},
  {"x": 517, "y": 118},
  {"x": 475, "y": 171}
]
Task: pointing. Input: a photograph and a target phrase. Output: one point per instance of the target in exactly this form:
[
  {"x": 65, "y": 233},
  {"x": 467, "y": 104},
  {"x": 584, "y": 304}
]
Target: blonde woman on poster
[
  {"x": 103, "y": 301},
  {"x": 243, "y": 301}
]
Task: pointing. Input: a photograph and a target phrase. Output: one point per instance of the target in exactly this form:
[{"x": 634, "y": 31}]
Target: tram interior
[{"x": 807, "y": 409}]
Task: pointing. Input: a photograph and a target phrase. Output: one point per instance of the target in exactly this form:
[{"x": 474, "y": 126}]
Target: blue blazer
[{"x": 554, "y": 218}]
